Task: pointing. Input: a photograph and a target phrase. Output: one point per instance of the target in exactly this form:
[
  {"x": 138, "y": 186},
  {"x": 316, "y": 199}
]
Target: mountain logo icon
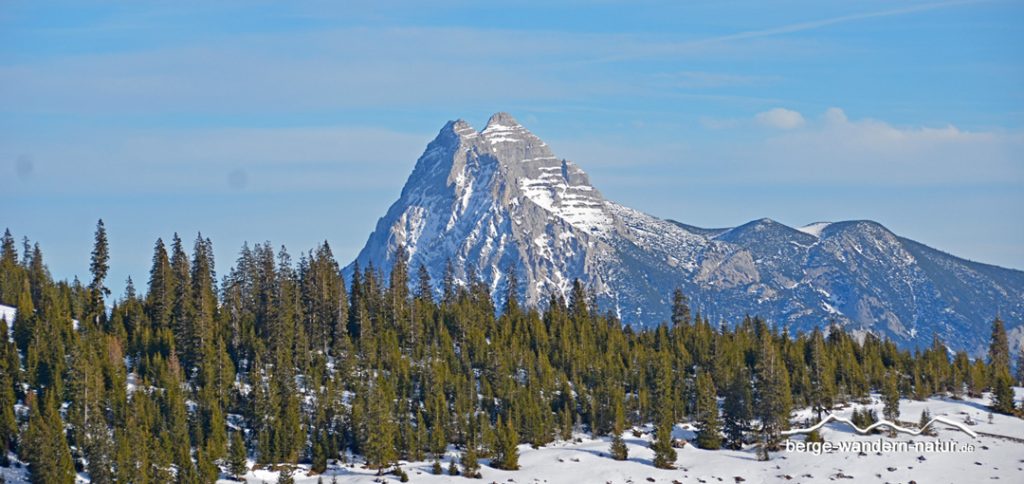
[{"x": 881, "y": 423}]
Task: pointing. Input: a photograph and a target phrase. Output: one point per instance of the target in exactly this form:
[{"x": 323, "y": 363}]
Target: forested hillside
[{"x": 277, "y": 361}]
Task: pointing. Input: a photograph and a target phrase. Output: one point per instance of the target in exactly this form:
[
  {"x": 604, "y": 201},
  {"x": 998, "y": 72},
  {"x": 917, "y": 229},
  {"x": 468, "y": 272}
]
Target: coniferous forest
[{"x": 192, "y": 374}]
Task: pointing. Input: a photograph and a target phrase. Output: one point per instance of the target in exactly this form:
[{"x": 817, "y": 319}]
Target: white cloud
[
  {"x": 835, "y": 116},
  {"x": 705, "y": 43},
  {"x": 780, "y": 118},
  {"x": 817, "y": 24},
  {"x": 834, "y": 148}
]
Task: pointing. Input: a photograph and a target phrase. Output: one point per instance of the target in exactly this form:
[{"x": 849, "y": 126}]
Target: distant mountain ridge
[{"x": 499, "y": 198}]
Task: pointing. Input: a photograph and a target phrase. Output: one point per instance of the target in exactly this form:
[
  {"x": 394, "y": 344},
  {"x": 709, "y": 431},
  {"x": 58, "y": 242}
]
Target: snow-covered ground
[
  {"x": 8, "y": 313},
  {"x": 587, "y": 461}
]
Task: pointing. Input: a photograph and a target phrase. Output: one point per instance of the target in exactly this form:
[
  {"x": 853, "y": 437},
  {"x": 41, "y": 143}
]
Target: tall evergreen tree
[
  {"x": 999, "y": 364},
  {"x": 45, "y": 447},
  {"x": 736, "y": 409},
  {"x": 708, "y": 436},
  {"x": 237, "y": 460},
  {"x": 506, "y": 455},
  {"x": 1002, "y": 392},
  {"x": 822, "y": 385},
  {"x": 470, "y": 462},
  {"x": 11, "y": 273},
  {"x": 891, "y": 398},
  {"x": 680, "y": 308},
  {"x": 380, "y": 441},
  {"x": 772, "y": 399},
  {"x": 999, "y": 347},
  {"x": 618, "y": 450},
  {"x": 182, "y": 309},
  {"x": 25, "y": 318},
  {"x": 98, "y": 267},
  {"x": 9, "y": 369},
  {"x": 160, "y": 297},
  {"x": 664, "y": 454}
]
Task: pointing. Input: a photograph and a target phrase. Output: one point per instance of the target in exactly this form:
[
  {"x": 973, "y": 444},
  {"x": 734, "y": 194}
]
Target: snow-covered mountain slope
[
  {"x": 498, "y": 199},
  {"x": 954, "y": 456}
]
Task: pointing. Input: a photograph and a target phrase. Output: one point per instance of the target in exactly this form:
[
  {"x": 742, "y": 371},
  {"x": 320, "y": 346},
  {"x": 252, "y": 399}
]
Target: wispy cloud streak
[{"x": 788, "y": 29}]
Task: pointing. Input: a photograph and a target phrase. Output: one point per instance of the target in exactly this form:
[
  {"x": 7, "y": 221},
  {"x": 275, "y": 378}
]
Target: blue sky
[{"x": 298, "y": 122}]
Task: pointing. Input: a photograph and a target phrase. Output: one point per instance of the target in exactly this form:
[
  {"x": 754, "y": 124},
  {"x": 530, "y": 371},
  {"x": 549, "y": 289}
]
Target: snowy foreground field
[
  {"x": 587, "y": 461},
  {"x": 993, "y": 458}
]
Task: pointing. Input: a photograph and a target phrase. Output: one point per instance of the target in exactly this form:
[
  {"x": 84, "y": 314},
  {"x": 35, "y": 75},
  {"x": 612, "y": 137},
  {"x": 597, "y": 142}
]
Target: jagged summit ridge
[
  {"x": 503, "y": 123},
  {"x": 499, "y": 200}
]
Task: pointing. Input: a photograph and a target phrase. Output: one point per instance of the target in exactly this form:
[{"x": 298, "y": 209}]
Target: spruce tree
[
  {"x": 206, "y": 468},
  {"x": 999, "y": 347},
  {"x": 680, "y": 308},
  {"x": 565, "y": 423},
  {"x": 922, "y": 424},
  {"x": 9, "y": 370},
  {"x": 437, "y": 407},
  {"x": 379, "y": 447},
  {"x": 98, "y": 267},
  {"x": 664, "y": 454},
  {"x": 977, "y": 380},
  {"x": 708, "y": 436},
  {"x": 820, "y": 374},
  {"x": 10, "y": 272},
  {"x": 237, "y": 463},
  {"x": 470, "y": 463},
  {"x": 45, "y": 448},
  {"x": 159, "y": 298},
  {"x": 39, "y": 280},
  {"x": 25, "y": 319},
  {"x": 506, "y": 455},
  {"x": 1002, "y": 392},
  {"x": 618, "y": 450},
  {"x": 286, "y": 476},
  {"x": 182, "y": 310},
  {"x": 772, "y": 399},
  {"x": 288, "y": 434},
  {"x": 891, "y": 398},
  {"x": 999, "y": 370},
  {"x": 318, "y": 457},
  {"x": 416, "y": 453}
]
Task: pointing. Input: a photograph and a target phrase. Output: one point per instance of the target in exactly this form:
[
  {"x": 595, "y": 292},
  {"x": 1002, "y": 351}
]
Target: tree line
[{"x": 280, "y": 361}]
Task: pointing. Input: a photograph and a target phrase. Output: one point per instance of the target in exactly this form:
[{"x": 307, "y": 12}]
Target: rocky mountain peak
[
  {"x": 461, "y": 128},
  {"x": 499, "y": 199},
  {"x": 501, "y": 120}
]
